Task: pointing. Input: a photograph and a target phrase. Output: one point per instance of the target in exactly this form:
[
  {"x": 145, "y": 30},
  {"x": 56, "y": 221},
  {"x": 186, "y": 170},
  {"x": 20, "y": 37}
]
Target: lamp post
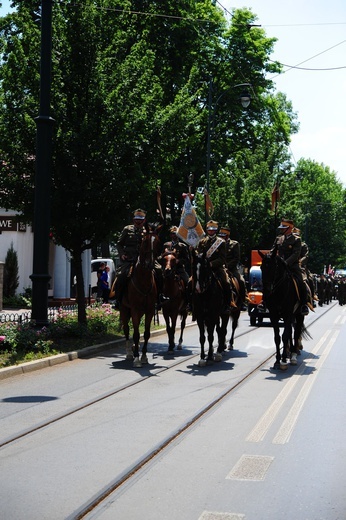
[
  {"x": 44, "y": 124},
  {"x": 245, "y": 100}
]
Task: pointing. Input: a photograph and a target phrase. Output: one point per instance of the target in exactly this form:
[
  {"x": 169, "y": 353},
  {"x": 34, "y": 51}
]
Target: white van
[{"x": 95, "y": 265}]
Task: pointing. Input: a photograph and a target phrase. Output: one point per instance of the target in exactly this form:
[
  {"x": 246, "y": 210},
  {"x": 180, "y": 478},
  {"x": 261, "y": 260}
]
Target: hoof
[
  {"x": 144, "y": 359},
  {"x": 217, "y": 356},
  {"x": 129, "y": 356},
  {"x": 293, "y": 359},
  {"x": 180, "y": 346},
  {"x": 230, "y": 347},
  {"x": 137, "y": 363},
  {"x": 202, "y": 363},
  {"x": 283, "y": 365},
  {"x": 170, "y": 351}
]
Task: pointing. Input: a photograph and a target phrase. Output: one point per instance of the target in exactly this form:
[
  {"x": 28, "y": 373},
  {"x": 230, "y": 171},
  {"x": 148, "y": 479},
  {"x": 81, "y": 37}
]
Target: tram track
[{"x": 139, "y": 380}]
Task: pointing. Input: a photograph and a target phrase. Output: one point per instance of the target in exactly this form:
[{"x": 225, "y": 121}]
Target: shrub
[{"x": 11, "y": 278}]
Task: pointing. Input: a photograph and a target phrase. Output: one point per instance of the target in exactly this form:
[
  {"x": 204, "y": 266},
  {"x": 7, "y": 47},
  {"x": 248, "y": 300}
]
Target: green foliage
[
  {"x": 20, "y": 343},
  {"x": 11, "y": 278}
]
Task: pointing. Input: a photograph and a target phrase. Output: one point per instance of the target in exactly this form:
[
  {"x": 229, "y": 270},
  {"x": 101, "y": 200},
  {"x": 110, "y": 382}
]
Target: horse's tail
[{"x": 305, "y": 334}]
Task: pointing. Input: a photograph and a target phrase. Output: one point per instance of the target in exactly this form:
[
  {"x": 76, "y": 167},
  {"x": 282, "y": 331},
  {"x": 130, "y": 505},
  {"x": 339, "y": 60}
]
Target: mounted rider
[
  {"x": 214, "y": 249},
  {"x": 288, "y": 246},
  {"x": 233, "y": 260},
  {"x": 128, "y": 246},
  {"x": 303, "y": 262}
]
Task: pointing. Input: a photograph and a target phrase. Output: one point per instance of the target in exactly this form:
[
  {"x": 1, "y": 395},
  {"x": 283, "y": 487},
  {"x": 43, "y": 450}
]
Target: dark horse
[
  {"x": 175, "y": 305},
  {"x": 140, "y": 297},
  {"x": 236, "y": 307},
  {"x": 282, "y": 301},
  {"x": 207, "y": 301}
]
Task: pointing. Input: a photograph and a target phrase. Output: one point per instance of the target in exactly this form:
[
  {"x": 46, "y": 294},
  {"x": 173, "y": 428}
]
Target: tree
[{"x": 11, "y": 278}]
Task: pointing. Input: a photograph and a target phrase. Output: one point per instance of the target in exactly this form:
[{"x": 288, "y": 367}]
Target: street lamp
[{"x": 245, "y": 100}]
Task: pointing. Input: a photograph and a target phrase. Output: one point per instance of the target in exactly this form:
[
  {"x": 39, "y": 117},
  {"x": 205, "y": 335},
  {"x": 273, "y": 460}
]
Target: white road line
[
  {"x": 260, "y": 430},
  {"x": 285, "y": 432}
]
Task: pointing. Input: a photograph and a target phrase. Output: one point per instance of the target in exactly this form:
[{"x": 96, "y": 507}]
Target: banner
[
  {"x": 208, "y": 203},
  {"x": 190, "y": 230}
]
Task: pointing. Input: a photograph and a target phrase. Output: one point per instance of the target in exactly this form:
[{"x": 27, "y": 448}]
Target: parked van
[{"x": 95, "y": 265}]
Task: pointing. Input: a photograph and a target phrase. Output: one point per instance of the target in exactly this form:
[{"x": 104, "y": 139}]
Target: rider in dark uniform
[
  {"x": 303, "y": 262},
  {"x": 128, "y": 246},
  {"x": 215, "y": 250},
  {"x": 288, "y": 246},
  {"x": 182, "y": 254},
  {"x": 233, "y": 259}
]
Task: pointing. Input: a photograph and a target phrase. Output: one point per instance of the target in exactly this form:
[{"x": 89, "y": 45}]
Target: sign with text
[{"x": 11, "y": 224}]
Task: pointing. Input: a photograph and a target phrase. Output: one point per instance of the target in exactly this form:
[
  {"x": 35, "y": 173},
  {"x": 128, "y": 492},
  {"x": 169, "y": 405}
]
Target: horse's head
[
  {"x": 149, "y": 248},
  {"x": 168, "y": 262},
  {"x": 202, "y": 272},
  {"x": 273, "y": 268}
]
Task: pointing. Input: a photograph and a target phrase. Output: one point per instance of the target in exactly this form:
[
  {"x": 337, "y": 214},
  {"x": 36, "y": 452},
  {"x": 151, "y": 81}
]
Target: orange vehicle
[{"x": 255, "y": 293}]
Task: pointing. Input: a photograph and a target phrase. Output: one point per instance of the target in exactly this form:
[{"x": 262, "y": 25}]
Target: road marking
[
  {"x": 261, "y": 429},
  {"x": 250, "y": 467},
  {"x": 285, "y": 432},
  {"x": 211, "y": 515}
]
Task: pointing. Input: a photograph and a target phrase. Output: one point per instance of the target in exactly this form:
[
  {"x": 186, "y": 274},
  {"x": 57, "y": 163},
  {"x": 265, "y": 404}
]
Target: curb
[{"x": 38, "y": 364}]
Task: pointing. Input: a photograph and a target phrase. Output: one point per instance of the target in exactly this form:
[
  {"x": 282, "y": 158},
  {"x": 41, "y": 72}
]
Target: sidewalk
[{"x": 37, "y": 364}]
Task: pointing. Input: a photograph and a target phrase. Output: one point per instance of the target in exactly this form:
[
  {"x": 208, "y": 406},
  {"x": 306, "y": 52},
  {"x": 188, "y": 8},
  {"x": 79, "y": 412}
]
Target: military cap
[
  {"x": 285, "y": 223},
  {"x": 212, "y": 224},
  {"x": 224, "y": 231},
  {"x": 140, "y": 214}
]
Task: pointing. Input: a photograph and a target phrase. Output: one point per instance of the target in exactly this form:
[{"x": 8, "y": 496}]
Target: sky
[{"x": 312, "y": 35}]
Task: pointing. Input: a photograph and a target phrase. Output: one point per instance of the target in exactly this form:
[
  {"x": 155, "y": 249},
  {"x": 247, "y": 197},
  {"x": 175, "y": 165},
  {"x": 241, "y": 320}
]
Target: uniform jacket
[
  {"x": 218, "y": 258},
  {"x": 130, "y": 241},
  {"x": 182, "y": 251},
  {"x": 232, "y": 255},
  {"x": 289, "y": 248}
]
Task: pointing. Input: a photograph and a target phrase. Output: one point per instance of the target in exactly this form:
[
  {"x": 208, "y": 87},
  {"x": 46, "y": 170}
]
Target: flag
[
  {"x": 158, "y": 199},
  {"x": 190, "y": 229},
  {"x": 209, "y": 208},
  {"x": 275, "y": 196}
]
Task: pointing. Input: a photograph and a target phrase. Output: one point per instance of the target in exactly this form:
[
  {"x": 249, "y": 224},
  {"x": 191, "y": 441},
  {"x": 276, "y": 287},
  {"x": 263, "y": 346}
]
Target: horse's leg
[
  {"x": 136, "y": 337},
  {"x": 172, "y": 332},
  {"x": 277, "y": 339},
  {"x": 235, "y": 319},
  {"x": 210, "y": 332},
  {"x": 182, "y": 327},
  {"x": 297, "y": 338},
  {"x": 221, "y": 330},
  {"x": 286, "y": 343},
  {"x": 125, "y": 318},
  {"x": 148, "y": 319},
  {"x": 202, "y": 362},
  {"x": 168, "y": 330}
]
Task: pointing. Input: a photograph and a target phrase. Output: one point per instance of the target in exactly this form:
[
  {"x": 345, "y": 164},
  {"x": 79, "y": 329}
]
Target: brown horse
[
  {"x": 175, "y": 305},
  {"x": 139, "y": 298}
]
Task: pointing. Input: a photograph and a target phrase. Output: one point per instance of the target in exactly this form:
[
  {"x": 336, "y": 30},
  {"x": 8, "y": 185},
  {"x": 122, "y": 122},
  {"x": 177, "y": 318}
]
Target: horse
[
  {"x": 236, "y": 307},
  {"x": 140, "y": 297},
  {"x": 282, "y": 301},
  {"x": 207, "y": 304},
  {"x": 175, "y": 304}
]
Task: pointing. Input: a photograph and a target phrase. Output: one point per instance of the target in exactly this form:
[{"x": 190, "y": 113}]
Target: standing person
[
  {"x": 233, "y": 259},
  {"x": 105, "y": 280},
  {"x": 99, "y": 274},
  {"x": 215, "y": 250},
  {"x": 288, "y": 246}
]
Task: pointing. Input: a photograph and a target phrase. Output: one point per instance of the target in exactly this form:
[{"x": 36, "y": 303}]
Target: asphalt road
[{"x": 272, "y": 448}]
